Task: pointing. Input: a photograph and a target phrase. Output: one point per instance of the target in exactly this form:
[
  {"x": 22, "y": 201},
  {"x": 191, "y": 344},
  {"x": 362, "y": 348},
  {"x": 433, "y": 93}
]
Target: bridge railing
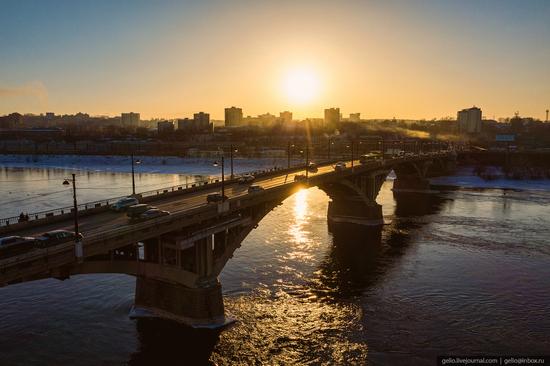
[{"x": 95, "y": 206}]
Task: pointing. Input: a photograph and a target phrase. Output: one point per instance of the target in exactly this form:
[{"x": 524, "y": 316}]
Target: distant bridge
[{"x": 177, "y": 258}]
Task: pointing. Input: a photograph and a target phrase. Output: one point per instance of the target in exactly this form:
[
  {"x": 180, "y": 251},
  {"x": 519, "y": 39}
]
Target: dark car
[
  {"x": 312, "y": 167},
  {"x": 299, "y": 177},
  {"x": 255, "y": 188},
  {"x": 215, "y": 197},
  {"x": 14, "y": 245},
  {"x": 153, "y": 213},
  {"x": 55, "y": 237}
]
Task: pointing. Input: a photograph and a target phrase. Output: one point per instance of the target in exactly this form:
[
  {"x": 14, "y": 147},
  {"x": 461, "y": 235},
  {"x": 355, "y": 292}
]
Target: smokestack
[{"x": 546, "y": 116}]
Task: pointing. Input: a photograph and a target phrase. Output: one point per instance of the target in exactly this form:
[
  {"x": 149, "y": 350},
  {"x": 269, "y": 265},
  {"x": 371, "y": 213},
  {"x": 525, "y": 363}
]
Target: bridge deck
[{"x": 103, "y": 230}]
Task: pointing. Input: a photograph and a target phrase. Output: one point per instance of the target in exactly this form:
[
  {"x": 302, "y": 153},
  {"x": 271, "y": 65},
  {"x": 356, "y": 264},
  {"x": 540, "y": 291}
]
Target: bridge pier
[
  {"x": 354, "y": 211},
  {"x": 200, "y": 307},
  {"x": 353, "y": 200}
]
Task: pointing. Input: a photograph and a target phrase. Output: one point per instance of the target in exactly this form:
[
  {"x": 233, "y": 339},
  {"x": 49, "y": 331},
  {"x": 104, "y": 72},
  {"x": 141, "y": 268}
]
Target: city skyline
[{"x": 172, "y": 59}]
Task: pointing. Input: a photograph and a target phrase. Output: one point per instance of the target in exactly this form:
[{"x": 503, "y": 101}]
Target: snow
[
  {"x": 148, "y": 164},
  {"x": 464, "y": 177}
]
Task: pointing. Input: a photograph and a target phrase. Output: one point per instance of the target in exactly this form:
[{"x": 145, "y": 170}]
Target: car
[
  {"x": 312, "y": 167},
  {"x": 339, "y": 166},
  {"x": 153, "y": 213},
  {"x": 134, "y": 211},
  {"x": 299, "y": 177},
  {"x": 367, "y": 158},
  {"x": 247, "y": 178},
  {"x": 13, "y": 245},
  {"x": 255, "y": 188},
  {"x": 123, "y": 203},
  {"x": 215, "y": 197},
  {"x": 55, "y": 237}
]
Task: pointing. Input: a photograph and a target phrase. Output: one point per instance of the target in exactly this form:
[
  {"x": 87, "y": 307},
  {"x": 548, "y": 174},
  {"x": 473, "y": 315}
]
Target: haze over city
[{"x": 168, "y": 59}]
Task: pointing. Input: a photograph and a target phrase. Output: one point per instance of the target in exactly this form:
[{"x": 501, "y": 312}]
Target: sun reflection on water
[{"x": 296, "y": 230}]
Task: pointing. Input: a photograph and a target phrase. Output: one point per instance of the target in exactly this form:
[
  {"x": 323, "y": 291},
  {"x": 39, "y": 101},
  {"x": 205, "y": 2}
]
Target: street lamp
[
  {"x": 352, "y": 146},
  {"x": 137, "y": 162},
  {"x": 231, "y": 151},
  {"x": 223, "y": 179},
  {"x": 307, "y": 160},
  {"x": 289, "y": 153},
  {"x": 328, "y": 149},
  {"x": 77, "y": 243}
]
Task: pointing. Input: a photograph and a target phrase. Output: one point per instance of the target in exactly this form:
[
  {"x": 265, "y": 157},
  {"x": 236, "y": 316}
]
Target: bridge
[{"x": 176, "y": 259}]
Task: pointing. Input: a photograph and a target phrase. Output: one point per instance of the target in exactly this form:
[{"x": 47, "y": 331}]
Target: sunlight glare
[{"x": 301, "y": 85}]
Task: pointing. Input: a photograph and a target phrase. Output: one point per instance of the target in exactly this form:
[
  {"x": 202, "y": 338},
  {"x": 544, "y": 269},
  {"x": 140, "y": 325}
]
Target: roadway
[
  {"x": 108, "y": 220},
  {"x": 96, "y": 223}
]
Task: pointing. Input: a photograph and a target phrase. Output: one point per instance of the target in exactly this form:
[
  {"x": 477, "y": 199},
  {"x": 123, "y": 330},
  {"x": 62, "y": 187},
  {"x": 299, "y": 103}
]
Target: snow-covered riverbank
[
  {"x": 148, "y": 164},
  {"x": 464, "y": 177}
]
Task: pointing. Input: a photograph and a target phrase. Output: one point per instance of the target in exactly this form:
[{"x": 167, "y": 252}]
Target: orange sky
[{"x": 400, "y": 59}]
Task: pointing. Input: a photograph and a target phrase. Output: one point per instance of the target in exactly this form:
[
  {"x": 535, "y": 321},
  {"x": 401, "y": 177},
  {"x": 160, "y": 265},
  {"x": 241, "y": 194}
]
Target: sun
[{"x": 301, "y": 85}]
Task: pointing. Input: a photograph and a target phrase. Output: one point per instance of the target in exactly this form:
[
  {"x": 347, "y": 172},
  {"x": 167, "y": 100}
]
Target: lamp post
[
  {"x": 289, "y": 153},
  {"x": 352, "y": 146},
  {"x": 231, "y": 151},
  {"x": 133, "y": 178},
  {"x": 307, "y": 160},
  {"x": 78, "y": 244},
  {"x": 223, "y": 178}
]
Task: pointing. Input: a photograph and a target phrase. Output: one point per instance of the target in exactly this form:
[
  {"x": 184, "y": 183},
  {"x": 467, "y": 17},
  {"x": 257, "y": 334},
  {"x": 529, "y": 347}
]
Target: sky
[{"x": 408, "y": 59}]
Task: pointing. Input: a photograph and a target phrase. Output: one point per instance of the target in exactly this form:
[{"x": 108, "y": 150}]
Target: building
[
  {"x": 202, "y": 122},
  {"x": 332, "y": 117},
  {"x": 286, "y": 117},
  {"x": 199, "y": 123},
  {"x": 165, "y": 127},
  {"x": 11, "y": 121},
  {"x": 469, "y": 120},
  {"x": 186, "y": 124},
  {"x": 354, "y": 117},
  {"x": 130, "y": 119},
  {"x": 233, "y": 117}
]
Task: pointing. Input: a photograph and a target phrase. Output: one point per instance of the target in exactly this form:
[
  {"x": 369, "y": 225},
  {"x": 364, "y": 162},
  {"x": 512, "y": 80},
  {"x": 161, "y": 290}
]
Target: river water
[{"x": 462, "y": 271}]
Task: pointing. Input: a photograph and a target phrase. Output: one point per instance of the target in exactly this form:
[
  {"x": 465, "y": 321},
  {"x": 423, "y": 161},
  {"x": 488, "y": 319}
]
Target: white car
[
  {"x": 247, "y": 178},
  {"x": 123, "y": 203}
]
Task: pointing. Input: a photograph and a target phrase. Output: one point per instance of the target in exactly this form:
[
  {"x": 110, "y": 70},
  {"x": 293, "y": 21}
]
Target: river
[{"x": 462, "y": 271}]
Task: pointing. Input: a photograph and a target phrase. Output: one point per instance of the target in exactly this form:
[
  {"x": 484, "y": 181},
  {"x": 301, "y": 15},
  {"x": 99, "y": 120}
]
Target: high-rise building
[
  {"x": 469, "y": 120},
  {"x": 129, "y": 119},
  {"x": 286, "y": 117},
  {"x": 354, "y": 117},
  {"x": 233, "y": 117},
  {"x": 202, "y": 121},
  {"x": 332, "y": 117}
]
